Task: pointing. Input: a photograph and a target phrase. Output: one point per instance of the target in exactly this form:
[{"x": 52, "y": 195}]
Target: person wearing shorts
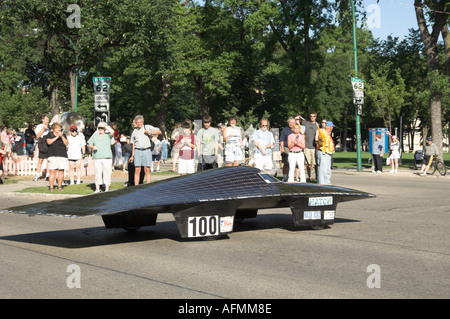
[
  {"x": 311, "y": 135},
  {"x": 41, "y": 131},
  {"x": 75, "y": 151},
  {"x": 142, "y": 154},
  {"x": 430, "y": 150},
  {"x": 232, "y": 137},
  {"x": 57, "y": 155},
  {"x": 264, "y": 141},
  {"x": 186, "y": 145}
]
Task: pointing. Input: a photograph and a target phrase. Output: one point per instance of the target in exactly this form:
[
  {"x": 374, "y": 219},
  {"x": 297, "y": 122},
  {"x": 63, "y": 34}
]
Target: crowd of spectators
[{"x": 303, "y": 150}]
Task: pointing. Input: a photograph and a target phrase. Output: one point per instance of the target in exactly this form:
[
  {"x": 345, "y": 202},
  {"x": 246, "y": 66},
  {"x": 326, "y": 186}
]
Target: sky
[{"x": 390, "y": 17}]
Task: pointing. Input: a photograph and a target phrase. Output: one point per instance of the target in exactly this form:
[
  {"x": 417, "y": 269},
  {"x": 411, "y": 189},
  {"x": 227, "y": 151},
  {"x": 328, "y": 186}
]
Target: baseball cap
[
  {"x": 429, "y": 139},
  {"x": 101, "y": 124},
  {"x": 73, "y": 127},
  {"x": 329, "y": 123}
]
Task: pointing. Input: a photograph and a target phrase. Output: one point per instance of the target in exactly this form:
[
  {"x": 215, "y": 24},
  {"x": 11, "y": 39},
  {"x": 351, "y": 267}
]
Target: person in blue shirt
[{"x": 377, "y": 154}]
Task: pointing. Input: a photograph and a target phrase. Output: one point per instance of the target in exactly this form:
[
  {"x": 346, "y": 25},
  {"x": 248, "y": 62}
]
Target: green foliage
[{"x": 172, "y": 60}]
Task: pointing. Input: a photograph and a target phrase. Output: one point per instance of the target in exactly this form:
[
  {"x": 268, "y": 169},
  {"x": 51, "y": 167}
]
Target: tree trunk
[
  {"x": 54, "y": 102},
  {"x": 162, "y": 114},
  {"x": 446, "y": 36},
  {"x": 201, "y": 94},
  {"x": 430, "y": 41},
  {"x": 73, "y": 92}
]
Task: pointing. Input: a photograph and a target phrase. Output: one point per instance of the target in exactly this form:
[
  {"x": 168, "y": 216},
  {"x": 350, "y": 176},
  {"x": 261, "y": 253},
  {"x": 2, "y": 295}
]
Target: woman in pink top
[
  {"x": 296, "y": 144},
  {"x": 6, "y": 139}
]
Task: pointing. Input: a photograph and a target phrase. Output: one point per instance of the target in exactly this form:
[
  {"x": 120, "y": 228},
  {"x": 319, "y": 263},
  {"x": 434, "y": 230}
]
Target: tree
[
  {"x": 438, "y": 11},
  {"x": 386, "y": 89}
]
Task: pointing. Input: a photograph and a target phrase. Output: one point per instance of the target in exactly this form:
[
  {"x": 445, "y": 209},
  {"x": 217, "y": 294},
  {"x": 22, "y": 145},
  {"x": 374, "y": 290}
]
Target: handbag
[{"x": 42, "y": 145}]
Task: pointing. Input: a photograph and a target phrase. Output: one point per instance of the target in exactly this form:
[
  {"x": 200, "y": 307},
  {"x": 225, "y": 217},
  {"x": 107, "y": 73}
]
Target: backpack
[
  {"x": 152, "y": 144},
  {"x": 42, "y": 145}
]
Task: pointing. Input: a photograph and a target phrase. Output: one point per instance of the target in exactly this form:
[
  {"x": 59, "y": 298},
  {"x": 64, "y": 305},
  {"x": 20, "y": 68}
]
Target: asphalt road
[{"x": 393, "y": 246}]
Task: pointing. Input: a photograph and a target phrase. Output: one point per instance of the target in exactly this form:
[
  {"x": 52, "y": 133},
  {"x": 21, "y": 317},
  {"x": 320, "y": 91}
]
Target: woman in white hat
[{"x": 100, "y": 144}]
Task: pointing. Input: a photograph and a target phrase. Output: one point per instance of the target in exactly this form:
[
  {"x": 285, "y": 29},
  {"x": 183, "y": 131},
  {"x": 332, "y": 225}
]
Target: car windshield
[{"x": 269, "y": 178}]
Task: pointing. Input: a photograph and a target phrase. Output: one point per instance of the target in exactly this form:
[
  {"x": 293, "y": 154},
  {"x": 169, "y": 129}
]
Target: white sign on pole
[
  {"x": 102, "y": 86},
  {"x": 358, "y": 91}
]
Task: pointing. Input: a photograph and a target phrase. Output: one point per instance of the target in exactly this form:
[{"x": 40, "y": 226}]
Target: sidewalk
[{"x": 23, "y": 182}]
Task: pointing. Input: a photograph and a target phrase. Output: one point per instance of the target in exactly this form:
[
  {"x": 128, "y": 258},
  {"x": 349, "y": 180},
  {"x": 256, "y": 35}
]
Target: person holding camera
[
  {"x": 57, "y": 155},
  {"x": 296, "y": 144}
]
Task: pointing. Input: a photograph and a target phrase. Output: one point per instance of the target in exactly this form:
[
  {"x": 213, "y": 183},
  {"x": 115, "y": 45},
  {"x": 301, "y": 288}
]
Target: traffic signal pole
[{"x": 358, "y": 117}]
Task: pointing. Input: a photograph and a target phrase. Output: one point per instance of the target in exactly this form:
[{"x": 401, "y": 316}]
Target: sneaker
[
  {"x": 391, "y": 171},
  {"x": 96, "y": 191},
  {"x": 423, "y": 174},
  {"x": 379, "y": 172},
  {"x": 36, "y": 179},
  {"x": 72, "y": 182}
]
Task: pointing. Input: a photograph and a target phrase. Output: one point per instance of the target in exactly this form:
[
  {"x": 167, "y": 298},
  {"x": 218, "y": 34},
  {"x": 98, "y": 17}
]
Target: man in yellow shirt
[{"x": 325, "y": 149}]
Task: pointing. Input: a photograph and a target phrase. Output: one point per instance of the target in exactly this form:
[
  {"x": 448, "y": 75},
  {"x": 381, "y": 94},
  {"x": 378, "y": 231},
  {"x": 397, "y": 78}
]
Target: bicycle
[{"x": 438, "y": 165}]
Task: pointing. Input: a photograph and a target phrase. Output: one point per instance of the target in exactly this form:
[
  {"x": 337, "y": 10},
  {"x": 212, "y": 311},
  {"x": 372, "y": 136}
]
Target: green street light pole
[
  {"x": 358, "y": 118},
  {"x": 76, "y": 72}
]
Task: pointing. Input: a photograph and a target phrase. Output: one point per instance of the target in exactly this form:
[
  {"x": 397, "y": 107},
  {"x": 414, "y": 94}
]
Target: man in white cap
[
  {"x": 264, "y": 142},
  {"x": 430, "y": 151},
  {"x": 325, "y": 150}
]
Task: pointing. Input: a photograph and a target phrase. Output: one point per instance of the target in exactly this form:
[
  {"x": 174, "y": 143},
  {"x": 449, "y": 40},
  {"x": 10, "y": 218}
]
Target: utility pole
[{"x": 358, "y": 108}]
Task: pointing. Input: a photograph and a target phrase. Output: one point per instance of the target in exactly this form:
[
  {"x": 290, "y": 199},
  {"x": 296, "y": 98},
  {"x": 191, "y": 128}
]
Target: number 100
[{"x": 203, "y": 226}]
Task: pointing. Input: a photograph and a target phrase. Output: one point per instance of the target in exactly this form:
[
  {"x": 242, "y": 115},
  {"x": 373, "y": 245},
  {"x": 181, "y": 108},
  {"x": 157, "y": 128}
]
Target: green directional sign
[{"x": 98, "y": 79}]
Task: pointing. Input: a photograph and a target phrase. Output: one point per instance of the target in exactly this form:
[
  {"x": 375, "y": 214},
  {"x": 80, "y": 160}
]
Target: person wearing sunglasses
[{"x": 264, "y": 142}]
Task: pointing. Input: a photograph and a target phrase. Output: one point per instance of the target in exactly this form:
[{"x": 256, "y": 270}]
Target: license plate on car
[
  {"x": 311, "y": 215},
  {"x": 320, "y": 201}
]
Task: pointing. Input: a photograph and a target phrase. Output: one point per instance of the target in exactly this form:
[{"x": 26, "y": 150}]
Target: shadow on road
[{"x": 100, "y": 236}]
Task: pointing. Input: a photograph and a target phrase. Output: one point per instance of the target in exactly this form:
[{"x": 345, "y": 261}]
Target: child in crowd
[{"x": 186, "y": 145}]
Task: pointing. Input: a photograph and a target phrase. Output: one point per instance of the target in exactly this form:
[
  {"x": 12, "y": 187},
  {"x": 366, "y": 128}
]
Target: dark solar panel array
[
  {"x": 226, "y": 183},
  {"x": 230, "y": 183}
]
